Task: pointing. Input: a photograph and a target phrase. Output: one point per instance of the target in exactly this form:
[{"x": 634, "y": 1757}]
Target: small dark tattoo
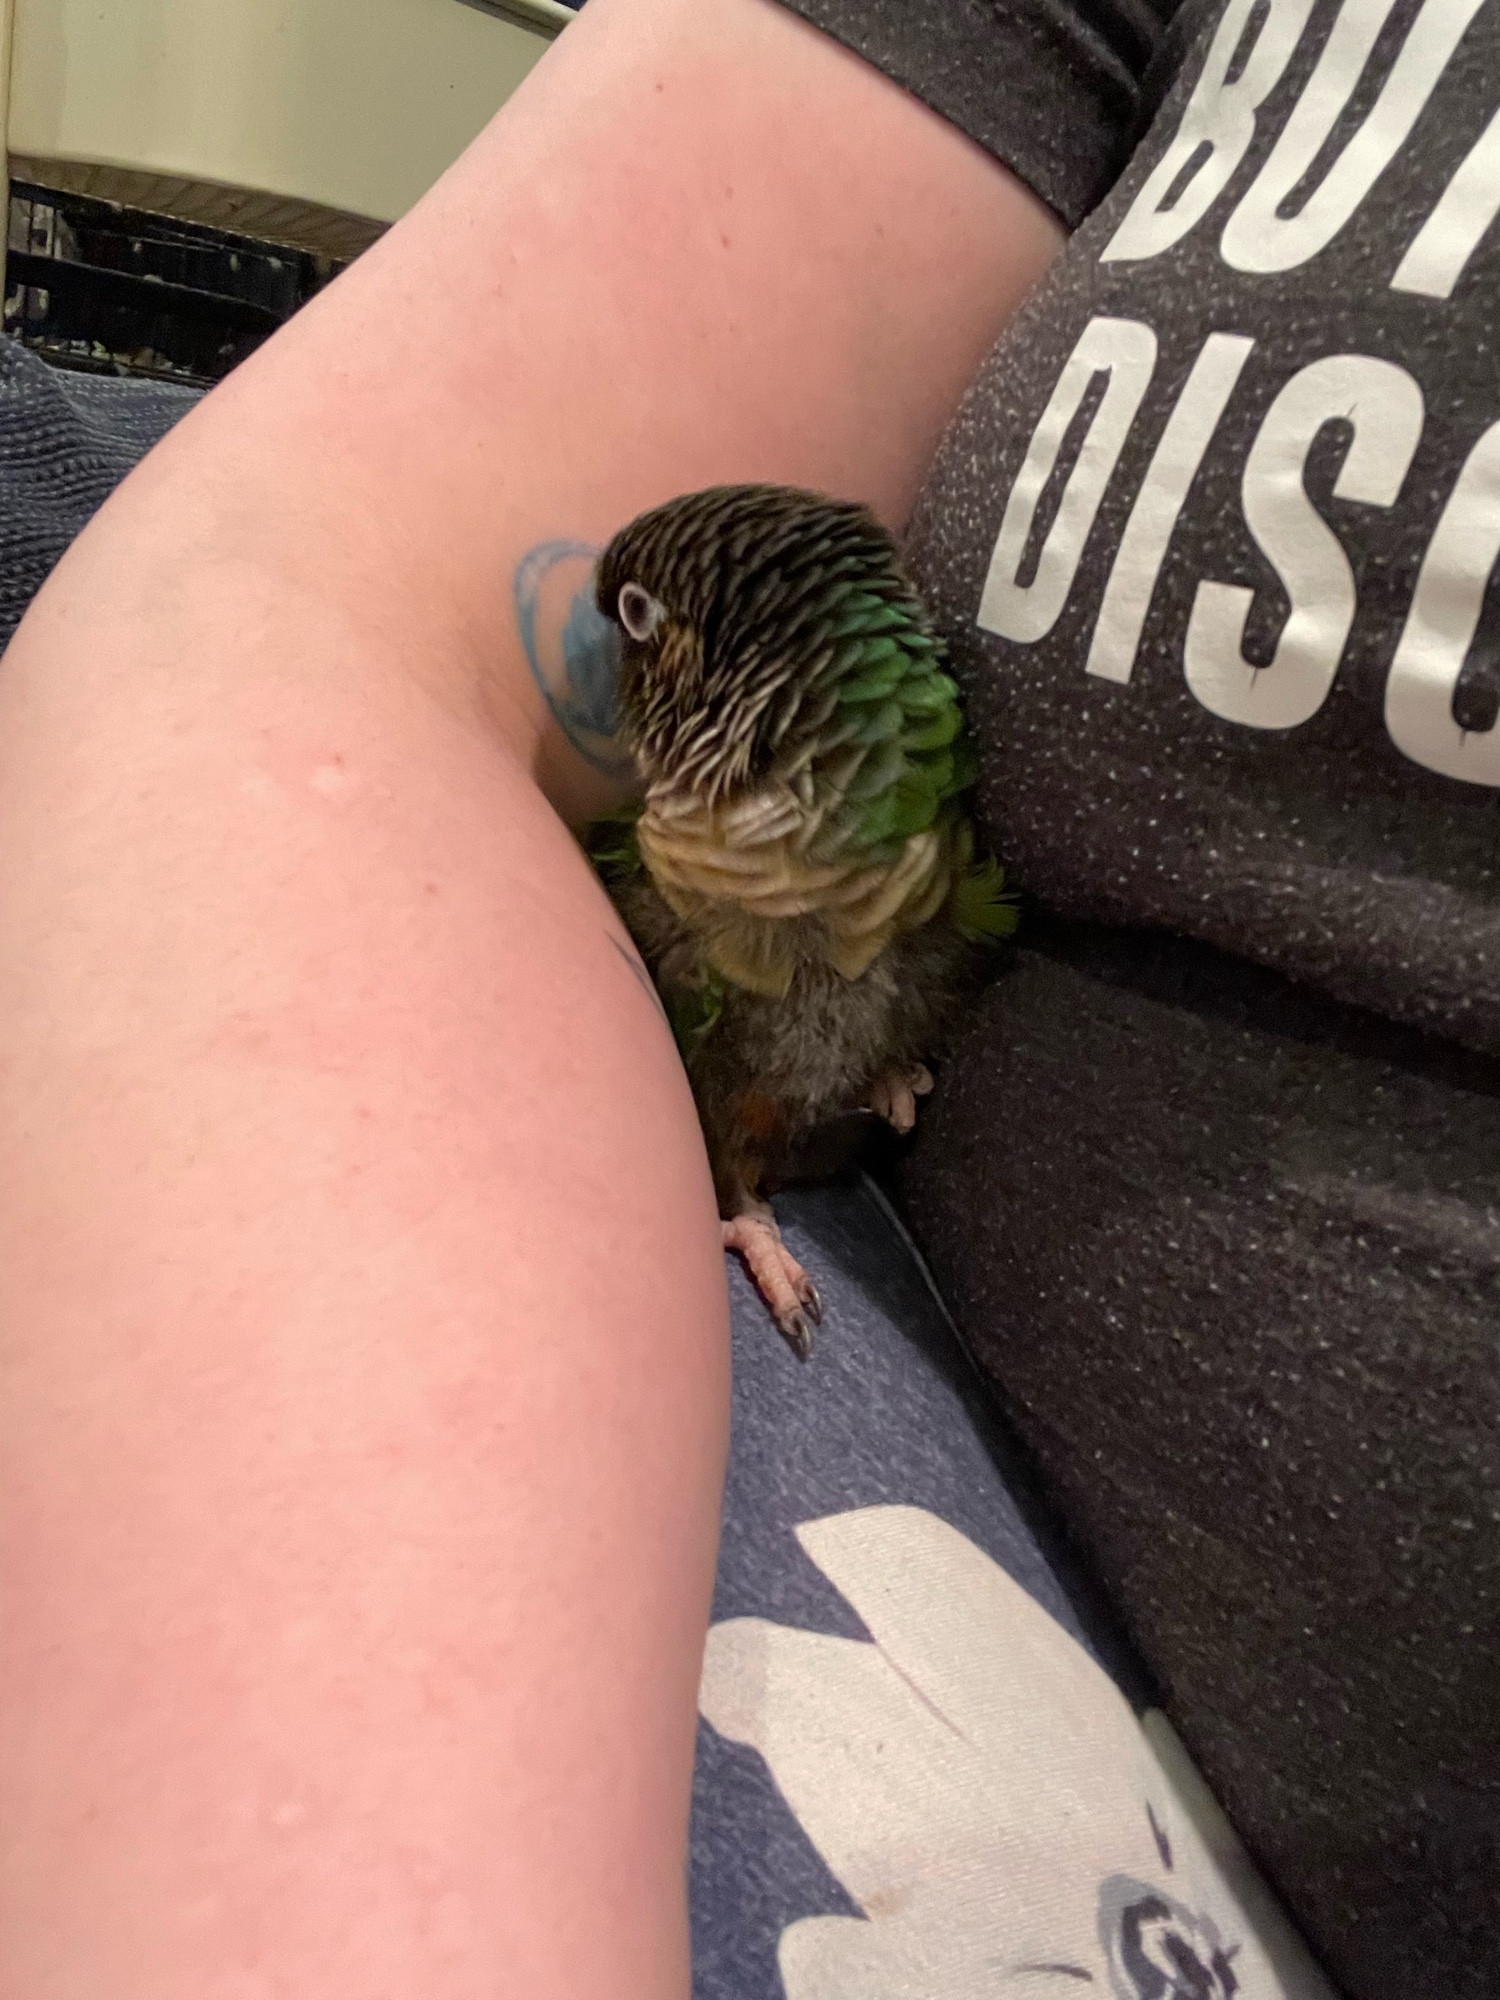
[
  {"x": 641, "y": 974},
  {"x": 573, "y": 652}
]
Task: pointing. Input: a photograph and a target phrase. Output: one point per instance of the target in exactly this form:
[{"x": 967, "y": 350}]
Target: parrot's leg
[
  {"x": 783, "y": 1284},
  {"x": 894, "y": 1094}
]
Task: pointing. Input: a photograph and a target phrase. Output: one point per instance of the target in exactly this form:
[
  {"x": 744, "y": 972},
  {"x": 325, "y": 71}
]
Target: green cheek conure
[{"x": 801, "y": 878}]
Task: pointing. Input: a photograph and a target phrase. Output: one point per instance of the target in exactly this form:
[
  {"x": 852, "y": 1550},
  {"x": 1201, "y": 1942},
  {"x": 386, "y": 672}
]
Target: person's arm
[{"x": 362, "y": 1318}]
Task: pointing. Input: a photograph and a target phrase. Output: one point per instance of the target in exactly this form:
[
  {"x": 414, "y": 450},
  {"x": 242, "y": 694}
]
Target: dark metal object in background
[
  {"x": 508, "y": 10},
  {"x": 116, "y": 291}
]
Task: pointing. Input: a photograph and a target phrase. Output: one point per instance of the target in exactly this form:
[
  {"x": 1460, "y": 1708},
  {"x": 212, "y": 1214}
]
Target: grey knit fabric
[{"x": 66, "y": 441}]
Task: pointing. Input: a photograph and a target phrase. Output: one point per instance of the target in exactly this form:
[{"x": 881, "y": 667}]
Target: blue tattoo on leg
[{"x": 573, "y": 652}]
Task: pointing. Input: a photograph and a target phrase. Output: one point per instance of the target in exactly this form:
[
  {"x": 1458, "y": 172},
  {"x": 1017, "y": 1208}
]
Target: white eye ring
[{"x": 640, "y": 613}]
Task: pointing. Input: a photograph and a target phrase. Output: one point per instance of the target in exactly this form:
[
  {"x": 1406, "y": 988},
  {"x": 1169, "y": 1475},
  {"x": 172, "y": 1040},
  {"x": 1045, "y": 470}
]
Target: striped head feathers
[{"x": 740, "y": 609}]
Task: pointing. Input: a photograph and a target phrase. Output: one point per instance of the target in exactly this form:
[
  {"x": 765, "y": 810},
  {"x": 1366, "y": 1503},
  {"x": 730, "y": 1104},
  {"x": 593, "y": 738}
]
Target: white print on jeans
[{"x": 985, "y": 1795}]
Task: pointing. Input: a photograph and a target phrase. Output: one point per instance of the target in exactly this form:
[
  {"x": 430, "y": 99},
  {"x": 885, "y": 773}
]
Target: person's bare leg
[
  {"x": 362, "y": 1322},
  {"x": 363, "y": 1362}
]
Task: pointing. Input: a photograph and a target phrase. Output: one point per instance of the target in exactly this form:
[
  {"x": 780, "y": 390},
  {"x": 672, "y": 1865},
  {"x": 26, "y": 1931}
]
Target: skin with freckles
[{"x": 362, "y": 1315}]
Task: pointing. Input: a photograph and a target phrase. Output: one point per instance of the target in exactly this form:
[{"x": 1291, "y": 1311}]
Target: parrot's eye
[{"x": 640, "y": 613}]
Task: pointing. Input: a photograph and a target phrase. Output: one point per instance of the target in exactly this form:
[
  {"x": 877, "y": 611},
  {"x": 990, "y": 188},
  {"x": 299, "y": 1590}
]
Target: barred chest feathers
[{"x": 766, "y": 882}]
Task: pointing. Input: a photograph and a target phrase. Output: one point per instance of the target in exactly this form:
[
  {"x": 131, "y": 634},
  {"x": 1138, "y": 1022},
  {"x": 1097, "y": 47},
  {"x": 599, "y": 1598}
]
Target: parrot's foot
[
  {"x": 783, "y": 1284},
  {"x": 894, "y": 1094}
]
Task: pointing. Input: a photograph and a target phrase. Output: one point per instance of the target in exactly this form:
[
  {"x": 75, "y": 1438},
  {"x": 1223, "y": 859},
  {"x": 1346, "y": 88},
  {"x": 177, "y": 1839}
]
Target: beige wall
[{"x": 353, "y": 106}]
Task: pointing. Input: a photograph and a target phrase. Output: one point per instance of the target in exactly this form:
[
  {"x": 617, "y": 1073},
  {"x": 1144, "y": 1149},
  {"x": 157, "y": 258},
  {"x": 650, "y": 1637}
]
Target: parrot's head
[{"x": 727, "y": 604}]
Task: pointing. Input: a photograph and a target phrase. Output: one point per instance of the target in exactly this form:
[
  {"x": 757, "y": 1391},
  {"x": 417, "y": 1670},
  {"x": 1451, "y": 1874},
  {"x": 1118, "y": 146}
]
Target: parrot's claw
[
  {"x": 894, "y": 1094},
  {"x": 797, "y": 1334},
  {"x": 781, "y": 1281}
]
